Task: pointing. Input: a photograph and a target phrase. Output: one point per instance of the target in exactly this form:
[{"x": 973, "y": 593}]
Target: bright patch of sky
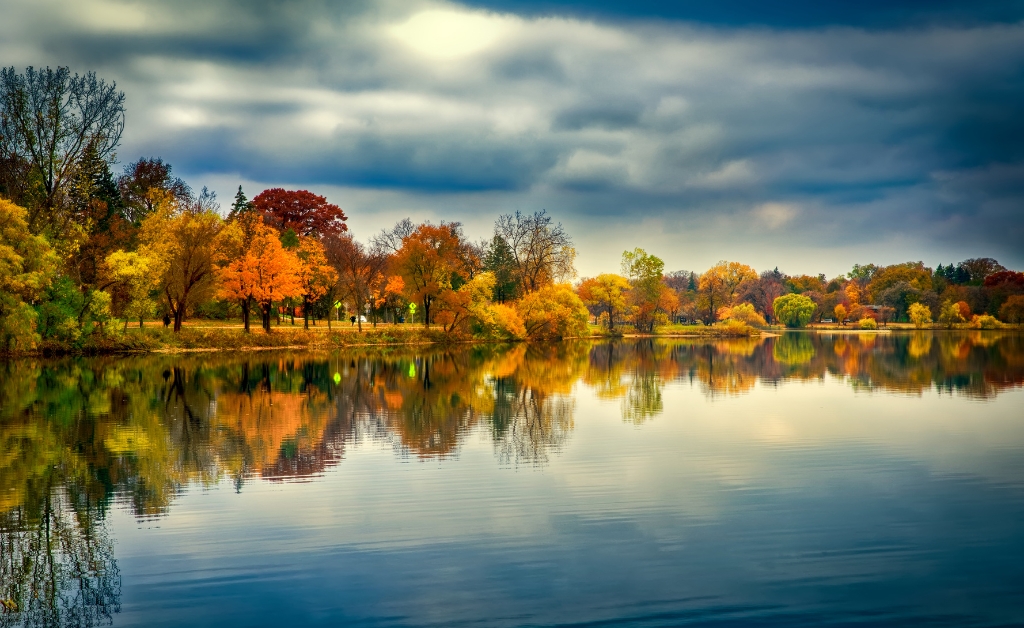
[{"x": 808, "y": 137}]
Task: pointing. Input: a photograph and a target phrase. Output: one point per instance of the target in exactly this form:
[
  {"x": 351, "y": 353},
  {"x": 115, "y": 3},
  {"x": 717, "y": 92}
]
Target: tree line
[
  {"x": 81, "y": 248},
  {"x": 976, "y": 292}
]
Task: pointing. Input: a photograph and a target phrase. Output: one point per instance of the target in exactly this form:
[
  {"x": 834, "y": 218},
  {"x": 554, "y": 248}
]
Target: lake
[{"x": 806, "y": 479}]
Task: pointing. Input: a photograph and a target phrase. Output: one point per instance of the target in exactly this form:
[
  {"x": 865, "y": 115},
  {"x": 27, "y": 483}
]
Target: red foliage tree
[
  {"x": 1005, "y": 278},
  {"x": 306, "y": 213}
]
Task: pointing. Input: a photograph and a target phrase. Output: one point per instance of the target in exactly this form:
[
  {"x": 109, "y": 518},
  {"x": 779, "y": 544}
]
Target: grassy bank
[{"x": 228, "y": 336}]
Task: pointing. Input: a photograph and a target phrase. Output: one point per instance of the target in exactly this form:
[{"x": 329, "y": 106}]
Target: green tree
[
  {"x": 501, "y": 261},
  {"x": 793, "y": 310}
]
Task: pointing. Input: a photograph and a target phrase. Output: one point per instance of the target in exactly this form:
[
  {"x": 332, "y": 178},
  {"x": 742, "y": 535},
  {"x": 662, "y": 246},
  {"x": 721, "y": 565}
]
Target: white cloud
[{"x": 437, "y": 109}]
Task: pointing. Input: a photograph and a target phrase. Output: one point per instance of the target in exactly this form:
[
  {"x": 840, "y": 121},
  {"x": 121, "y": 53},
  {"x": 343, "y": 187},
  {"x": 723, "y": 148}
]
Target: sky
[{"x": 807, "y": 136}]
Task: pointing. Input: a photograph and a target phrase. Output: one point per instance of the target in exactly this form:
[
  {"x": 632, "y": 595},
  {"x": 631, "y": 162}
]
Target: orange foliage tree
[
  {"x": 433, "y": 260},
  {"x": 605, "y": 294},
  {"x": 263, "y": 273}
]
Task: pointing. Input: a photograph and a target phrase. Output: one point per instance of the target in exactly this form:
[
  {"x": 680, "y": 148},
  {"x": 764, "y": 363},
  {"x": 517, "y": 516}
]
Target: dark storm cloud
[
  {"x": 792, "y": 14},
  {"x": 804, "y": 134}
]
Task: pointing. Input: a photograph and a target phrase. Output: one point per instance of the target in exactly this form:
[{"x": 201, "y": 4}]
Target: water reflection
[{"x": 78, "y": 435}]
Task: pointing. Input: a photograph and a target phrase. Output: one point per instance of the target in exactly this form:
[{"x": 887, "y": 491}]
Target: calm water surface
[{"x": 800, "y": 480}]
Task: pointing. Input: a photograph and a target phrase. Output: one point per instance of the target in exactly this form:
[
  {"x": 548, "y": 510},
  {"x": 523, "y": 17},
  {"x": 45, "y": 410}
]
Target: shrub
[
  {"x": 867, "y": 323},
  {"x": 984, "y": 321},
  {"x": 744, "y": 313},
  {"x": 793, "y": 310}
]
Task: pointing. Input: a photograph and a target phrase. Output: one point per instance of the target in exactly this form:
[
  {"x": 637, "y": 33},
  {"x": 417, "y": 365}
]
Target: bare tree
[
  {"x": 142, "y": 176},
  {"x": 543, "y": 251},
  {"x": 359, "y": 269},
  {"x": 49, "y": 119},
  {"x": 390, "y": 240}
]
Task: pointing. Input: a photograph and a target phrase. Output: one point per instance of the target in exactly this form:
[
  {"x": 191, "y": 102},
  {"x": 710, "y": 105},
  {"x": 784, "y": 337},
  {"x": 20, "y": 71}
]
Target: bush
[
  {"x": 744, "y": 313},
  {"x": 867, "y": 323},
  {"x": 793, "y": 310},
  {"x": 734, "y": 327},
  {"x": 984, "y": 321}
]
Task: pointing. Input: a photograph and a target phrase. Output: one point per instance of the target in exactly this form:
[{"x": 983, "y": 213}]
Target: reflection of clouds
[{"x": 155, "y": 425}]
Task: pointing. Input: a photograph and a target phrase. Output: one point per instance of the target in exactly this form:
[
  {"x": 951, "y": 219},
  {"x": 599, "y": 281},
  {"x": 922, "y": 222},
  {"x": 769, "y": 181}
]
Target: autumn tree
[
  {"x": 979, "y": 268},
  {"x": 717, "y": 286},
  {"x": 793, "y": 310},
  {"x": 605, "y": 294},
  {"x": 649, "y": 298},
  {"x": 1012, "y": 311},
  {"x": 360, "y": 271},
  {"x": 316, "y": 275},
  {"x": 542, "y": 250},
  {"x": 184, "y": 240},
  {"x": 553, "y": 312},
  {"x": 744, "y": 313},
  {"x": 950, "y": 315},
  {"x": 137, "y": 274},
  {"x": 139, "y": 182},
  {"x": 26, "y": 267},
  {"x": 762, "y": 292},
  {"x": 265, "y": 273},
  {"x": 434, "y": 259},
  {"x": 920, "y": 314},
  {"x": 840, "y": 312},
  {"x": 235, "y": 261},
  {"x": 913, "y": 274},
  {"x": 306, "y": 213},
  {"x": 49, "y": 120}
]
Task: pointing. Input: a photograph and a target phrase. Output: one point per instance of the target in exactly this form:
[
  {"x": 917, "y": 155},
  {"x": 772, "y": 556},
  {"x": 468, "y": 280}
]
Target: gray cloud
[{"x": 809, "y": 149}]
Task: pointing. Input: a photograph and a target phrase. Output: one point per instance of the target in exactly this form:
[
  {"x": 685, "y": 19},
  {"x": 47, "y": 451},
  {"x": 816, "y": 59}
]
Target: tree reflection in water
[{"x": 77, "y": 435}]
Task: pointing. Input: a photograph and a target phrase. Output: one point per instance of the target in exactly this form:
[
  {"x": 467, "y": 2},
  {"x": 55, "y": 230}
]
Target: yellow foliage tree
[
  {"x": 136, "y": 273},
  {"x": 605, "y": 294},
  {"x": 26, "y": 267},
  {"x": 553, "y": 311},
  {"x": 183, "y": 242},
  {"x": 717, "y": 286}
]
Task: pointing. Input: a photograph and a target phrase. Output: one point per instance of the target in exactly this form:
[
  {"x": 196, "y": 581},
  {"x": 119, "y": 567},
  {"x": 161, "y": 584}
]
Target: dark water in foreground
[{"x": 802, "y": 480}]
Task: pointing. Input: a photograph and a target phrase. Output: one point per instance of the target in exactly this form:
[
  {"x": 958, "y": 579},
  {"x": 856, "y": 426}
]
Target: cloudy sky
[{"x": 809, "y": 137}]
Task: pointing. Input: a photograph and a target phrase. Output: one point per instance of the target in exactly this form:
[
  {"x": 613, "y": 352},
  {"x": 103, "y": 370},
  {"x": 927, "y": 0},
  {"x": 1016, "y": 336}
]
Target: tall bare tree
[
  {"x": 49, "y": 119},
  {"x": 543, "y": 251}
]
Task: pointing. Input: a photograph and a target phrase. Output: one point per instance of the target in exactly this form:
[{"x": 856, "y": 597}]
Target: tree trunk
[
  {"x": 305, "y": 313},
  {"x": 265, "y": 311},
  {"x": 140, "y": 322},
  {"x": 359, "y": 317},
  {"x": 245, "y": 313},
  {"x": 179, "y": 316},
  {"x": 426, "y": 312}
]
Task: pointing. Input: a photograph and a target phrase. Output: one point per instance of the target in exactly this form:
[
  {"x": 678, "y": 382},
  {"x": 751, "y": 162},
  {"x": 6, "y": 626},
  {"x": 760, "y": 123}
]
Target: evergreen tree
[
  {"x": 501, "y": 261},
  {"x": 241, "y": 205}
]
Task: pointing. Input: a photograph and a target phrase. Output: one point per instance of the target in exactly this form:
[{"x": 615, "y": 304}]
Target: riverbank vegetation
[{"x": 85, "y": 254}]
